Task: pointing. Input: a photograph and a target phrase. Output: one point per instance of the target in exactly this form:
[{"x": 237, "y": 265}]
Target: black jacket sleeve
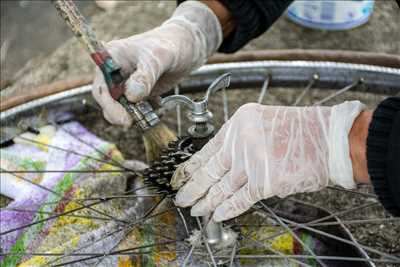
[
  {"x": 252, "y": 17},
  {"x": 383, "y": 153}
]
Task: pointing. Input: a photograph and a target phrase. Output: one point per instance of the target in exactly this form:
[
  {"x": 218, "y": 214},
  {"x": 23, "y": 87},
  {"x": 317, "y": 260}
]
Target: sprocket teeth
[{"x": 160, "y": 173}]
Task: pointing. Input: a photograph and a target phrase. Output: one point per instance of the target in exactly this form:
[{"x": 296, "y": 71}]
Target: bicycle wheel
[{"x": 126, "y": 222}]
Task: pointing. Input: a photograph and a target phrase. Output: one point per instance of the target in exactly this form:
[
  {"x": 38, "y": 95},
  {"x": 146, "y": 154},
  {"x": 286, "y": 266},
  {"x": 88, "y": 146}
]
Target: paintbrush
[{"x": 156, "y": 135}]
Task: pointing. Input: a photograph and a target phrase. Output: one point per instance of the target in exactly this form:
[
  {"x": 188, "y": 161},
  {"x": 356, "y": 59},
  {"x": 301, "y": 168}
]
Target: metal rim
[{"x": 284, "y": 73}]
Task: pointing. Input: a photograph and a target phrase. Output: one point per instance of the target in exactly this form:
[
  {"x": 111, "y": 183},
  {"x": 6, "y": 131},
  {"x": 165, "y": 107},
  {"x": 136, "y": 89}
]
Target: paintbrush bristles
[{"x": 156, "y": 139}]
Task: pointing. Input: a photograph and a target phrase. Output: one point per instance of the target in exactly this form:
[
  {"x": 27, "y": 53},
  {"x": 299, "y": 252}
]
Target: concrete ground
[{"x": 32, "y": 29}]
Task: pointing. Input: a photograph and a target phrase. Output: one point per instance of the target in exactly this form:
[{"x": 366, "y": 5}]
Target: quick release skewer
[{"x": 201, "y": 131}]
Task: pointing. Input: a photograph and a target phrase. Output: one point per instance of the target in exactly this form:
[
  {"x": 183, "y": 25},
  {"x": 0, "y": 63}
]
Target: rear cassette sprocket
[{"x": 160, "y": 173}]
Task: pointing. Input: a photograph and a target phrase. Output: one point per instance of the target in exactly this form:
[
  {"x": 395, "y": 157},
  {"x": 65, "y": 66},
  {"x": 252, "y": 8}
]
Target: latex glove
[
  {"x": 265, "y": 151},
  {"x": 157, "y": 60}
]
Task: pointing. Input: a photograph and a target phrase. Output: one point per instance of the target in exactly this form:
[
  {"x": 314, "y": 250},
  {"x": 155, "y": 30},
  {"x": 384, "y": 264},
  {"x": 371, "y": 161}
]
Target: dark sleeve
[
  {"x": 383, "y": 154},
  {"x": 252, "y": 17}
]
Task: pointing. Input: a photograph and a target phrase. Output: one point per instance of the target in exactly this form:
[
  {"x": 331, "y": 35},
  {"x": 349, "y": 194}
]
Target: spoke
[
  {"x": 97, "y": 198},
  {"x": 310, "y": 84},
  {"x": 128, "y": 227},
  {"x": 160, "y": 235},
  {"x": 188, "y": 256},
  {"x": 117, "y": 243},
  {"x": 55, "y": 213},
  {"x": 50, "y": 218},
  {"x": 67, "y": 198},
  {"x": 350, "y": 222},
  {"x": 333, "y": 215},
  {"x": 263, "y": 91},
  {"x": 178, "y": 113},
  {"x": 351, "y": 191},
  {"x": 65, "y": 171},
  {"x": 233, "y": 254},
  {"x": 359, "y": 246},
  {"x": 115, "y": 197},
  {"x": 269, "y": 247},
  {"x": 295, "y": 236},
  {"x": 361, "y": 221},
  {"x": 205, "y": 241},
  {"x": 183, "y": 221},
  {"x": 61, "y": 254},
  {"x": 119, "y": 252},
  {"x": 334, "y": 258},
  {"x": 34, "y": 205},
  {"x": 322, "y": 233},
  {"x": 32, "y": 183},
  {"x": 339, "y": 213},
  {"x": 120, "y": 164},
  {"x": 337, "y": 93},
  {"x": 225, "y": 104},
  {"x": 76, "y": 153}
]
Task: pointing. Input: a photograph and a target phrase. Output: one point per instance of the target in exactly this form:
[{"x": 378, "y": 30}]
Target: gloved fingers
[
  {"x": 112, "y": 110},
  {"x": 203, "y": 156},
  {"x": 218, "y": 193},
  {"x": 195, "y": 188},
  {"x": 118, "y": 116},
  {"x": 238, "y": 203},
  {"x": 120, "y": 51},
  {"x": 140, "y": 76},
  {"x": 139, "y": 84},
  {"x": 185, "y": 170},
  {"x": 201, "y": 180},
  {"x": 152, "y": 62}
]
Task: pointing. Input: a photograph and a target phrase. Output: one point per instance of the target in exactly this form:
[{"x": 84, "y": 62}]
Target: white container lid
[{"x": 329, "y": 14}]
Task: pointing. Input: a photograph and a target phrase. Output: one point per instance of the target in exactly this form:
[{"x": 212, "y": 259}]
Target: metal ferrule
[
  {"x": 148, "y": 117},
  {"x": 142, "y": 113}
]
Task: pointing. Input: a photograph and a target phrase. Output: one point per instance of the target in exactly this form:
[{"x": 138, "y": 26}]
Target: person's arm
[
  {"x": 251, "y": 18},
  {"x": 375, "y": 152}
]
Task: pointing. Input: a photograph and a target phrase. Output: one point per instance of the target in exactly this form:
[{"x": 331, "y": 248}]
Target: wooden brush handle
[
  {"x": 142, "y": 112},
  {"x": 77, "y": 23},
  {"x": 84, "y": 33}
]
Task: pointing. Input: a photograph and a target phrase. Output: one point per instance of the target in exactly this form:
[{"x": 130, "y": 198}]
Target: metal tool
[{"x": 142, "y": 112}]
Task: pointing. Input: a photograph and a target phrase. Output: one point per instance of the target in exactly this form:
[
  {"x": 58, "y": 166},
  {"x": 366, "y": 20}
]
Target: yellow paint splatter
[
  {"x": 67, "y": 220},
  {"x": 162, "y": 256},
  {"x": 42, "y": 260},
  {"x": 115, "y": 155},
  {"x": 124, "y": 261},
  {"x": 283, "y": 243},
  {"x": 46, "y": 134}
]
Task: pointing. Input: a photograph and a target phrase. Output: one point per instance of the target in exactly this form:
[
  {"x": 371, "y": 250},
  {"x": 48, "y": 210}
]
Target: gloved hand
[
  {"x": 265, "y": 151},
  {"x": 157, "y": 60}
]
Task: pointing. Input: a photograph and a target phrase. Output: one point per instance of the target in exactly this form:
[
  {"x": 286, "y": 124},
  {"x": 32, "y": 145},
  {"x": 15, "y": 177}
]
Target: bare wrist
[
  {"x": 358, "y": 146},
  {"x": 224, "y": 16}
]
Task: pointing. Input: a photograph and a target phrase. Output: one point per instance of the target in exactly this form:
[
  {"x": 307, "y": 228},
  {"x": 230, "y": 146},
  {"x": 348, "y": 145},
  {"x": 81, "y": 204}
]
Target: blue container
[{"x": 329, "y": 14}]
